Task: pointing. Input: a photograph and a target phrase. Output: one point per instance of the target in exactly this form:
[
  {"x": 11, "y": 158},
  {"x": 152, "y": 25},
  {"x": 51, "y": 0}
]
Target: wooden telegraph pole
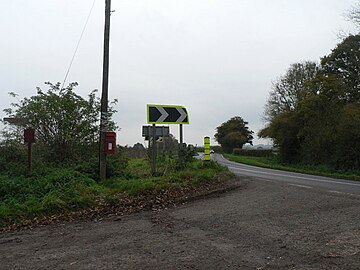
[{"x": 104, "y": 96}]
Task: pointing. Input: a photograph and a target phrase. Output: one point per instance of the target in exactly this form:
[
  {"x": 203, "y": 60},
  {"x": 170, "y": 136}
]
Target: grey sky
[{"x": 215, "y": 57}]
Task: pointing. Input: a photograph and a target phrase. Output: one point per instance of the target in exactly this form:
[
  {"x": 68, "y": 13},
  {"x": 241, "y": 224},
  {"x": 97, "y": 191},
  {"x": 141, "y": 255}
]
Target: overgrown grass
[
  {"x": 140, "y": 181},
  {"x": 60, "y": 190},
  {"x": 273, "y": 163}
]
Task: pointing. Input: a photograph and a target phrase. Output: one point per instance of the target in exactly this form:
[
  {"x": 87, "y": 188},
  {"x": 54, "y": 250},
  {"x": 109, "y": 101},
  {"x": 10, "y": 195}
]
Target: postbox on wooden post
[
  {"x": 29, "y": 135},
  {"x": 110, "y": 143}
]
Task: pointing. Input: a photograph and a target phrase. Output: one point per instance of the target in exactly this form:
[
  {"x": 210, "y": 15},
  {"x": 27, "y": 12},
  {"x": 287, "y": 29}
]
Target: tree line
[
  {"x": 313, "y": 110},
  {"x": 312, "y": 113}
]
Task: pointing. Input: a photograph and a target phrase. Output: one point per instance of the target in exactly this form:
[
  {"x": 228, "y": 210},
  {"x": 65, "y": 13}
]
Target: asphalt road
[
  {"x": 270, "y": 221},
  {"x": 302, "y": 180}
]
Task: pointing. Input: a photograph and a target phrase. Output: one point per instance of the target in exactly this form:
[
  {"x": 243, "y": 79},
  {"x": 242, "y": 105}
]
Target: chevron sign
[{"x": 167, "y": 114}]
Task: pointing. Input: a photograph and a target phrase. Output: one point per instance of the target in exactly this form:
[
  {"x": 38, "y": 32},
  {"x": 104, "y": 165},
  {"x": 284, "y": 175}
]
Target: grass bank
[
  {"x": 273, "y": 163},
  {"x": 60, "y": 190}
]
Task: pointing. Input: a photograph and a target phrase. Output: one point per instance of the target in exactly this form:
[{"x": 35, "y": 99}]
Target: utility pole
[{"x": 104, "y": 95}]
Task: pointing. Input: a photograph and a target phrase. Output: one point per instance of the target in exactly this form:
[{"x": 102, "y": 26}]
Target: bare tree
[{"x": 288, "y": 89}]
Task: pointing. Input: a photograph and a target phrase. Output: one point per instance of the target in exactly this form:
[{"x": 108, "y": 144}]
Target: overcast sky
[{"x": 215, "y": 57}]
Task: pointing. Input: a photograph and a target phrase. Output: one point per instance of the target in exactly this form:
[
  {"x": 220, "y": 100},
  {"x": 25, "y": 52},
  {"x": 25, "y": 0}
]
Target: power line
[{"x": 77, "y": 46}]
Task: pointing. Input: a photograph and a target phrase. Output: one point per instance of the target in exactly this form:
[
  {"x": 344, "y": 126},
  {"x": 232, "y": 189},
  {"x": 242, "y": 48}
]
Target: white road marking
[
  {"x": 335, "y": 191},
  {"x": 298, "y": 177},
  {"x": 302, "y": 186},
  {"x": 344, "y": 193}
]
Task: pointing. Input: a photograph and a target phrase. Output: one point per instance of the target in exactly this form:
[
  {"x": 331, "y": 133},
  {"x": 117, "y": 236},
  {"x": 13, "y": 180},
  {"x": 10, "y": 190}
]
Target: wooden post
[
  {"x": 104, "y": 96},
  {"x": 30, "y": 158}
]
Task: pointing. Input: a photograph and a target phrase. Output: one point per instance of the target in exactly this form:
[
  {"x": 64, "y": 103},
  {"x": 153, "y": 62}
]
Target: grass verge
[
  {"x": 66, "y": 190},
  {"x": 273, "y": 163}
]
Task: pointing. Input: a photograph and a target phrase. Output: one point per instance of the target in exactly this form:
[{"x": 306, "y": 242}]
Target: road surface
[
  {"x": 269, "y": 222},
  {"x": 304, "y": 180}
]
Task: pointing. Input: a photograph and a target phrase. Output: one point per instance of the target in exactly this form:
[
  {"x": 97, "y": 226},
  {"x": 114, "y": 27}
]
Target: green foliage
[
  {"x": 195, "y": 173},
  {"x": 66, "y": 124},
  {"x": 343, "y": 64},
  {"x": 115, "y": 166},
  {"x": 289, "y": 89},
  {"x": 348, "y": 146},
  {"x": 185, "y": 156},
  {"x": 265, "y": 162},
  {"x": 284, "y": 130},
  {"x": 322, "y": 126},
  {"x": 168, "y": 146},
  {"x": 138, "y": 168},
  {"x": 116, "y": 163},
  {"x": 13, "y": 159},
  {"x": 318, "y": 129},
  {"x": 233, "y": 134},
  {"x": 130, "y": 186},
  {"x": 61, "y": 190}
]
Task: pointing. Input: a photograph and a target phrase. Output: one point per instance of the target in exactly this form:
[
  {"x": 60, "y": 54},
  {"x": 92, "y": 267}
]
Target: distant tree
[
  {"x": 66, "y": 124},
  {"x": 330, "y": 119},
  {"x": 284, "y": 130},
  {"x": 169, "y": 144},
  {"x": 284, "y": 99},
  {"x": 139, "y": 146},
  {"x": 318, "y": 118},
  {"x": 233, "y": 134},
  {"x": 328, "y": 125}
]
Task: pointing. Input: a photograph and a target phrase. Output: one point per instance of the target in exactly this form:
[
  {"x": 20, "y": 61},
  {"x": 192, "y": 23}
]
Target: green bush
[
  {"x": 13, "y": 159},
  {"x": 117, "y": 163},
  {"x": 185, "y": 156}
]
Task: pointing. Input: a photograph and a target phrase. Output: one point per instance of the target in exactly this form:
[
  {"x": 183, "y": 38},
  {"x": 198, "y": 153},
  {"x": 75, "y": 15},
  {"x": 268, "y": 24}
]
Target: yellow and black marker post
[{"x": 206, "y": 148}]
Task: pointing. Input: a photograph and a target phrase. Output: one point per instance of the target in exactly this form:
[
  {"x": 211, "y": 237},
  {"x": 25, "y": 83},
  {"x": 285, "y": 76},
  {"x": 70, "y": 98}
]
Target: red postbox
[
  {"x": 110, "y": 142},
  {"x": 29, "y": 135}
]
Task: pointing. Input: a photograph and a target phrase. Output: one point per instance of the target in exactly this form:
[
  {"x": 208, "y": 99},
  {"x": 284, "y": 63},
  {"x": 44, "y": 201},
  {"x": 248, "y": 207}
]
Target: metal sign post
[
  {"x": 181, "y": 135},
  {"x": 153, "y": 133},
  {"x": 166, "y": 114},
  {"x": 153, "y": 151}
]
